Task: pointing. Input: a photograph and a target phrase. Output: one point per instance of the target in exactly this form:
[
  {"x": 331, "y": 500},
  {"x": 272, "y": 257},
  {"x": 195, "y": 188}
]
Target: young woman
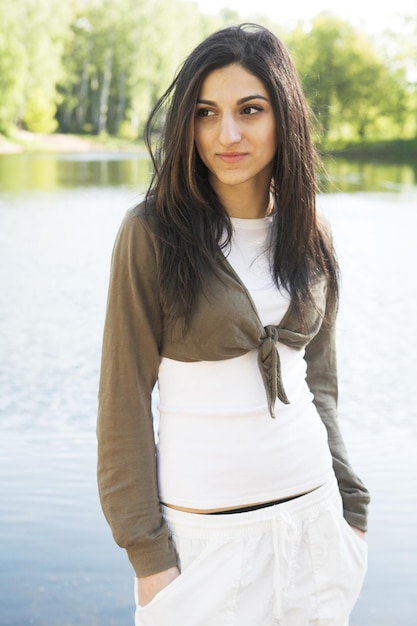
[{"x": 223, "y": 292}]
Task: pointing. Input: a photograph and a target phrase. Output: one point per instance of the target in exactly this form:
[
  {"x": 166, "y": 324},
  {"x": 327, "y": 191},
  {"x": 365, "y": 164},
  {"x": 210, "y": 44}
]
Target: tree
[
  {"x": 398, "y": 46},
  {"x": 100, "y": 65},
  {"x": 369, "y": 92},
  {"x": 31, "y": 44},
  {"x": 347, "y": 84},
  {"x": 12, "y": 63},
  {"x": 120, "y": 58},
  {"x": 44, "y": 28}
]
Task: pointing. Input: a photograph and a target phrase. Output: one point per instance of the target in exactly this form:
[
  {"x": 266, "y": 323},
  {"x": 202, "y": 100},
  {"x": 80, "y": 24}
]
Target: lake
[{"x": 58, "y": 219}]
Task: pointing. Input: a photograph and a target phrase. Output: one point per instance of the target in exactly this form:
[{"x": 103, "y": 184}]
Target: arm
[
  {"x": 130, "y": 361},
  {"x": 320, "y": 356}
]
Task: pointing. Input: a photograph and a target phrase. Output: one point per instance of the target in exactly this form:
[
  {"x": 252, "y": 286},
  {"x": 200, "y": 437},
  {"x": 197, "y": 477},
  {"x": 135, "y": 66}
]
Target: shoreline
[{"x": 25, "y": 142}]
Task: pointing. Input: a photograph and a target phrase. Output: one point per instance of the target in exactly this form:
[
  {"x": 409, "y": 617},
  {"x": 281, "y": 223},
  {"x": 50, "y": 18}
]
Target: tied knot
[
  {"x": 270, "y": 367},
  {"x": 272, "y": 332}
]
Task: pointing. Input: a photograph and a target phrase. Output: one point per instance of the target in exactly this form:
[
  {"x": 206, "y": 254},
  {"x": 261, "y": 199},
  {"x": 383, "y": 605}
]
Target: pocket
[
  {"x": 339, "y": 558},
  {"x": 356, "y": 544},
  {"x": 352, "y": 537},
  {"x": 199, "y": 596},
  {"x": 176, "y": 582},
  {"x": 353, "y": 551},
  {"x": 167, "y": 589},
  {"x": 185, "y": 572},
  {"x": 362, "y": 541}
]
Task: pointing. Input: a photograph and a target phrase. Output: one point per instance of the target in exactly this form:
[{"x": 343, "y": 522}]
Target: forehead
[{"x": 231, "y": 82}]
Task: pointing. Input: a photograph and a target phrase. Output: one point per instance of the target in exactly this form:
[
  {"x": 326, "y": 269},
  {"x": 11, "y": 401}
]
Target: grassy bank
[
  {"x": 395, "y": 149},
  {"x": 23, "y": 141}
]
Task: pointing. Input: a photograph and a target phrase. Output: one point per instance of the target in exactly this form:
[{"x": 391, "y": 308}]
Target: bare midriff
[{"x": 236, "y": 508}]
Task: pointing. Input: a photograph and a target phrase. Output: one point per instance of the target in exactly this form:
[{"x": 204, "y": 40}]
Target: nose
[{"x": 229, "y": 130}]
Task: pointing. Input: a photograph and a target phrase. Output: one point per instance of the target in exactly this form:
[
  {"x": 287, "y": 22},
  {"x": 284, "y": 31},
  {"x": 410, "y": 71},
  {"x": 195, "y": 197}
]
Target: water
[{"x": 58, "y": 219}]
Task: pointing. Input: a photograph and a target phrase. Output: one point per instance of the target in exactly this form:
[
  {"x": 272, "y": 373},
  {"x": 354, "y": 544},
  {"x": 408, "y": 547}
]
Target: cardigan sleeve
[
  {"x": 320, "y": 356},
  {"x": 127, "y": 478}
]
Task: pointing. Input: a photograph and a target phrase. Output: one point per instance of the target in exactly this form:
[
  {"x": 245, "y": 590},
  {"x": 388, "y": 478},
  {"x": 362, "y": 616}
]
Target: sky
[{"x": 370, "y": 15}]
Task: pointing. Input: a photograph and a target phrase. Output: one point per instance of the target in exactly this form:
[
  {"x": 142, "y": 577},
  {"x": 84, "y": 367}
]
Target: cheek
[
  {"x": 201, "y": 144},
  {"x": 271, "y": 138}
]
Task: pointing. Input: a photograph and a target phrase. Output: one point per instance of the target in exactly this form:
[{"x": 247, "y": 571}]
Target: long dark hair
[{"x": 190, "y": 217}]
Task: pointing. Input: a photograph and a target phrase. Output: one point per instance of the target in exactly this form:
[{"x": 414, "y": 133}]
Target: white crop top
[{"x": 218, "y": 446}]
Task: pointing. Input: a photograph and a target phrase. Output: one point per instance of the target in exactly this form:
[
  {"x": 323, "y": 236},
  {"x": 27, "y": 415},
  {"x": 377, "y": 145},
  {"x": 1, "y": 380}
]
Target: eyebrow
[{"x": 240, "y": 101}]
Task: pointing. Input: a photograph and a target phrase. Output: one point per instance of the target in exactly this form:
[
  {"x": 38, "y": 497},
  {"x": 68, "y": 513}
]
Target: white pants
[{"x": 293, "y": 564}]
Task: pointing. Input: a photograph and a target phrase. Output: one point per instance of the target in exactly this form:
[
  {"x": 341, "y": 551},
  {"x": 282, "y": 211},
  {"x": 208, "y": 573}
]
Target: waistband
[
  {"x": 302, "y": 508},
  {"x": 255, "y": 507}
]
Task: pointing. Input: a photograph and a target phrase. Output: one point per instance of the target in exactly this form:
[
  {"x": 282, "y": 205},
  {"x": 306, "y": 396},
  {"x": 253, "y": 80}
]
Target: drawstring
[
  {"x": 270, "y": 367},
  {"x": 284, "y": 531}
]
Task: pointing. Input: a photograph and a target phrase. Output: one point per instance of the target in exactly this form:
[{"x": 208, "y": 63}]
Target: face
[{"x": 235, "y": 129}]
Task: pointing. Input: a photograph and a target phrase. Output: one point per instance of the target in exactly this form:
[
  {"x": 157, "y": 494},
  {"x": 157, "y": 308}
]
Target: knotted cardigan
[{"x": 225, "y": 324}]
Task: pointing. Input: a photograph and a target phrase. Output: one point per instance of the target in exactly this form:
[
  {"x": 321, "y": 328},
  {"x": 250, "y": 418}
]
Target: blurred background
[
  {"x": 77, "y": 80},
  {"x": 95, "y": 67}
]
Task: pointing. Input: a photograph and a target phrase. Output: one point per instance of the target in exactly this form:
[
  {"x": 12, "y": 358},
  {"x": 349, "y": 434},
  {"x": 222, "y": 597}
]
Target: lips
[{"x": 231, "y": 157}]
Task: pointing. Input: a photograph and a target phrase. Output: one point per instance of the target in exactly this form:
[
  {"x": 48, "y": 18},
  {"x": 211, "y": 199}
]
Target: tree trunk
[{"x": 103, "y": 107}]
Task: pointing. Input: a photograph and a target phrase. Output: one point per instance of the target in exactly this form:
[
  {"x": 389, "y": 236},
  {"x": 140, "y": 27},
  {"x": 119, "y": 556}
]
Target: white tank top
[{"x": 217, "y": 445}]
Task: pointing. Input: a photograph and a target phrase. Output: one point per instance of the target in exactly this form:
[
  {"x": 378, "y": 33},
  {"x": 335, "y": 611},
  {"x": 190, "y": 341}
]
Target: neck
[{"x": 245, "y": 204}]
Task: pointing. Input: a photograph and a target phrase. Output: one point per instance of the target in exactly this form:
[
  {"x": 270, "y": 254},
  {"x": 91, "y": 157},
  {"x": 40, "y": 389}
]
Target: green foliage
[
  {"x": 31, "y": 48},
  {"x": 353, "y": 91},
  {"x": 119, "y": 59},
  {"x": 98, "y": 66},
  {"x": 12, "y": 63},
  {"x": 39, "y": 116}
]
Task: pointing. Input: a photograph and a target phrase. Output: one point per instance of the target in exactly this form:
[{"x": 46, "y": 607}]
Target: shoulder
[
  {"x": 138, "y": 225},
  {"x": 136, "y": 239},
  {"x": 140, "y": 217}
]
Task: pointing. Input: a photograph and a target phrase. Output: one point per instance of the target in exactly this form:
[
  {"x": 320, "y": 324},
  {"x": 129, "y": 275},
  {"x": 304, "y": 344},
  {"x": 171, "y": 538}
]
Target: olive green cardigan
[{"x": 225, "y": 324}]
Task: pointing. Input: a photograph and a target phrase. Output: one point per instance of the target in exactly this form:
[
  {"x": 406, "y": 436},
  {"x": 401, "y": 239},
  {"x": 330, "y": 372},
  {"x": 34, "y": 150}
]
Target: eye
[
  {"x": 251, "y": 109},
  {"x": 204, "y": 112}
]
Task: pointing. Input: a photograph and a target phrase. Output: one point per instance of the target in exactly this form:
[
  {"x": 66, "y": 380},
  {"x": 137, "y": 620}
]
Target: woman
[{"x": 223, "y": 292}]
